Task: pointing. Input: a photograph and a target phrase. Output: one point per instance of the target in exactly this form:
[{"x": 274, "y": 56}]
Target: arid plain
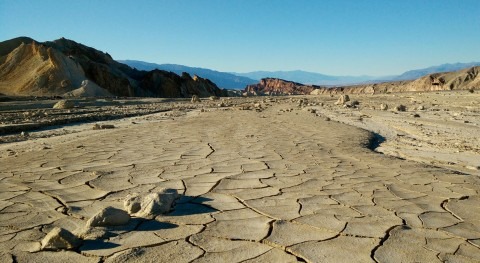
[{"x": 262, "y": 179}]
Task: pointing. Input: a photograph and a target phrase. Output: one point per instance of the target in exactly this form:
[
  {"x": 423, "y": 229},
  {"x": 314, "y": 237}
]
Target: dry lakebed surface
[{"x": 259, "y": 179}]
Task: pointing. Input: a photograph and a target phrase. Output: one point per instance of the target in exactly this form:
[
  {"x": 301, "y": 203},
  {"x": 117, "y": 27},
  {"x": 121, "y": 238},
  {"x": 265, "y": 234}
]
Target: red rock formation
[{"x": 272, "y": 86}]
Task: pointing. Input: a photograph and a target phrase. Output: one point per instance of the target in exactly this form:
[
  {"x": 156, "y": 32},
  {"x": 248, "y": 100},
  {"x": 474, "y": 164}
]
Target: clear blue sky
[{"x": 337, "y": 37}]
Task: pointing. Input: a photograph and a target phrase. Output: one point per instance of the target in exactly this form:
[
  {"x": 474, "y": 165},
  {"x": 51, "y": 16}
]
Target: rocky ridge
[
  {"x": 65, "y": 67},
  {"x": 466, "y": 79}
]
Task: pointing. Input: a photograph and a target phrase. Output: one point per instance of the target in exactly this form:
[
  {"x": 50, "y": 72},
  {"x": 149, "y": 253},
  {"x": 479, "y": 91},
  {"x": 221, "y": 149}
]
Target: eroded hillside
[{"x": 65, "y": 67}]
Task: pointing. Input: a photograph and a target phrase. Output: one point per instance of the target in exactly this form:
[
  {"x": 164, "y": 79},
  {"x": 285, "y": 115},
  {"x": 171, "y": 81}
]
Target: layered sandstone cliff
[{"x": 64, "y": 67}]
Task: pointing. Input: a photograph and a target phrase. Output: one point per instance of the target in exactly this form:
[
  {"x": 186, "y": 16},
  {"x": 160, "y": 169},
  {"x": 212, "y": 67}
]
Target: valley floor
[{"x": 262, "y": 180}]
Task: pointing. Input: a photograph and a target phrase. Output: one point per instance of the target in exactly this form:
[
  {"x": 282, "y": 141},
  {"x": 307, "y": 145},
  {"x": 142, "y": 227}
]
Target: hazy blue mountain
[
  {"x": 322, "y": 79},
  {"x": 309, "y": 77},
  {"x": 417, "y": 73},
  {"x": 234, "y": 80},
  {"x": 221, "y": 79}
]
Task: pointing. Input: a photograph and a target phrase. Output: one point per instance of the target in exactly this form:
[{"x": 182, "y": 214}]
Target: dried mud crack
[{"x": 301, "y": 189}]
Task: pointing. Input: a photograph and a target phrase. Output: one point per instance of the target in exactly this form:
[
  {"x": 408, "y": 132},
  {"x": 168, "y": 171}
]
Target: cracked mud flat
[
  {"x": 438, "y": 128},
  {"x": 267, "y": 186}
]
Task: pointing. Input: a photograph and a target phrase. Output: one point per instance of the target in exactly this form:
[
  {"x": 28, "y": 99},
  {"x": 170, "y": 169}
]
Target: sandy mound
[{"x": 88, "y": 89}]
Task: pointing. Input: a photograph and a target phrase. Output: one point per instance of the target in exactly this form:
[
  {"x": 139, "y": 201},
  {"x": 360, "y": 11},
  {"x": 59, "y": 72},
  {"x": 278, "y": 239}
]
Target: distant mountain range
[
  {"x": 328, "y": 80},
  {"x": 415, "y": 74},
  {"x": 313, "y": 78},
  {"x": 234, "y": 80},
  {"x": 221, "y": 79}
]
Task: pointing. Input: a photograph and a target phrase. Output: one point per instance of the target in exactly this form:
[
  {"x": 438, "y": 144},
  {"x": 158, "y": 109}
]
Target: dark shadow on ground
[
  {"x": 90, "y": 245},
  {"x": 189, "y": 205},
  {"x": 375, "y": 141}
]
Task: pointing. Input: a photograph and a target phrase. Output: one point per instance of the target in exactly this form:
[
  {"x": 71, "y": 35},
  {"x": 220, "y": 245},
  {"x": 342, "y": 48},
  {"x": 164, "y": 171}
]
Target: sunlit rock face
[{"x": 65, "y": 67}]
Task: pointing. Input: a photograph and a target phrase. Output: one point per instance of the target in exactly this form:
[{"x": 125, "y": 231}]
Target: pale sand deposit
[{"x": 276, "y": 184}]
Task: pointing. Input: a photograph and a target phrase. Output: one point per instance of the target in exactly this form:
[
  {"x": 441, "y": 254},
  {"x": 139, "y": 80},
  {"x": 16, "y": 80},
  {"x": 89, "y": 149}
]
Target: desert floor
[{"x": 282, "y": 179}]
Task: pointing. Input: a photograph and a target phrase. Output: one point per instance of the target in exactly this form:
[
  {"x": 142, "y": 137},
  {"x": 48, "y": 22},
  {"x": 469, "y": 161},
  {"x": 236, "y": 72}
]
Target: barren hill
[
  {"x": 65, "y": 67},
  {"x": 458, "y": 80}
]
